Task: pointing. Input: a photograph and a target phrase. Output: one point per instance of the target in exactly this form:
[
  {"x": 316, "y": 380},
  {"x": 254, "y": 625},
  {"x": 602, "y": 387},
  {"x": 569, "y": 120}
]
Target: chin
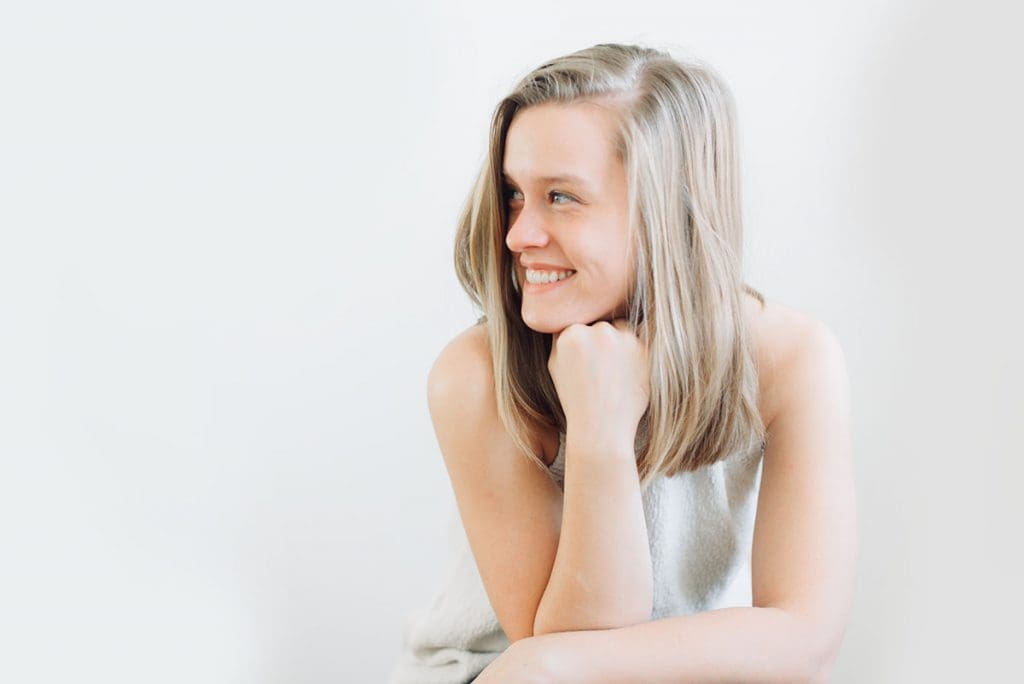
[
  {"x": 552, "y": 324},
  {"x": 545, "y": 327}
]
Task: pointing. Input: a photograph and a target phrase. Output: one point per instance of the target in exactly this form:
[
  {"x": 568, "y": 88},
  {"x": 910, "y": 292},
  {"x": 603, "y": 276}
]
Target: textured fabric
[{"x": 700, "y": 530}]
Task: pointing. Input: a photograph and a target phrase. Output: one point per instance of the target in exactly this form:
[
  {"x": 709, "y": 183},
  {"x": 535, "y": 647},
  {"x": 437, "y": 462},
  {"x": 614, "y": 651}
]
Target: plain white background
[{"x": 225, "y": 270}]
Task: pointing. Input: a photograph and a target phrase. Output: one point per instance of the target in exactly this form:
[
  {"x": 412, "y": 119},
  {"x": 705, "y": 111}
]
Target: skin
[
  {"x": 582, "y": 226},
  {"x": 804, "y": 547},
  {"x": 599, "y": 366},
  {"x": 805, "y": 535}
]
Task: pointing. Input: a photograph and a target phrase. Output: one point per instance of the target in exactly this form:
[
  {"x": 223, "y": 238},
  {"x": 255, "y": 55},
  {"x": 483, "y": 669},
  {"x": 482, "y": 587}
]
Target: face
[{"x": 567, "y": 199}]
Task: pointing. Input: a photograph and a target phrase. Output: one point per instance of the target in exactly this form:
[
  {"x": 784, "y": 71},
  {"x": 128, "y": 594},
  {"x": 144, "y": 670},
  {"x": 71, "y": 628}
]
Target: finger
[{"x": 623, "y": 325}]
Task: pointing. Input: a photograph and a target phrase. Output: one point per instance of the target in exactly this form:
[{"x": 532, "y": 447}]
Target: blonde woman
[{"x": 629, "y": 422}]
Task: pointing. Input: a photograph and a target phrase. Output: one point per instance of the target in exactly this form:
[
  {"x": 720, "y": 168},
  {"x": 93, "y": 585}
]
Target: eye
[{"x": 510, "y": 192}]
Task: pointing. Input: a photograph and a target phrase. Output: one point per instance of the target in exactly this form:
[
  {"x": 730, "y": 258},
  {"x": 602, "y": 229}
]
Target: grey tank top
[{"x": 700, "y": 532}]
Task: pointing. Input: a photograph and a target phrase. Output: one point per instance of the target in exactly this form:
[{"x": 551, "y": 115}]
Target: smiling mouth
[
  {"x": 545, "y": 277},
  {"x": 542, "y": 286}
]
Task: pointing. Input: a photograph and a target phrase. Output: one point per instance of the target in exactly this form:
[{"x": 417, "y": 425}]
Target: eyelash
[{"x": 508, "y": 191}]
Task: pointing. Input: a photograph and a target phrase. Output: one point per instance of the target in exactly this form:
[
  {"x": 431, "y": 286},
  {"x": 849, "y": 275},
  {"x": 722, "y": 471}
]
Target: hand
[{"x": 602, "y": 375}]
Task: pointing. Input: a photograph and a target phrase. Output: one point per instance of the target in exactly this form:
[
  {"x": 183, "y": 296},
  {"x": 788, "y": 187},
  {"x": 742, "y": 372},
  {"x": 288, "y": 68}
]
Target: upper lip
[{"x": 540, "y": 266}]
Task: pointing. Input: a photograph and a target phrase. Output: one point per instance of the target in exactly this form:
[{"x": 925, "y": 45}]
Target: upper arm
[
  {"x": 805, "y": 535},
  {"x": 510, "y": 509}
]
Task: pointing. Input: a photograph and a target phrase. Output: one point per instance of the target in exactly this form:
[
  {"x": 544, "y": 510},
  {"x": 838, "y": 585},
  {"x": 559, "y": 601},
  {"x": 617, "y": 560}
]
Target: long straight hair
[{"x": 676, "y": 137}]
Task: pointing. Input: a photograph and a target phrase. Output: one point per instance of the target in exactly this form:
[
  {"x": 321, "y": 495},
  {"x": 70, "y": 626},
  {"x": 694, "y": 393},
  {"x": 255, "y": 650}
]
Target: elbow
[
  {"x": 820, "y": 656},
  {"x": 819, "y": 676},
  {"x": 822, "y": 664},
  {"x": 811, "y": 649}
]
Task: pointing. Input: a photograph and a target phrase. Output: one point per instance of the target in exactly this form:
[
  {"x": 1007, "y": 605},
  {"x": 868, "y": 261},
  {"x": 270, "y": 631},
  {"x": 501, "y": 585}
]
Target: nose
[{"x": 526, "y": 229}]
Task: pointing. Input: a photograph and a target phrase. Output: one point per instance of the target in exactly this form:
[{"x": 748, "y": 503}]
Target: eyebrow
[{"x": 559, "y": 178}]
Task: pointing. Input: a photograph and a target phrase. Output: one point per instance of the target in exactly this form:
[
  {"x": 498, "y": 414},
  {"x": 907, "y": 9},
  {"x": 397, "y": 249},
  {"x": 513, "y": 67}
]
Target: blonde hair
[{"x": 677, "y": 139}]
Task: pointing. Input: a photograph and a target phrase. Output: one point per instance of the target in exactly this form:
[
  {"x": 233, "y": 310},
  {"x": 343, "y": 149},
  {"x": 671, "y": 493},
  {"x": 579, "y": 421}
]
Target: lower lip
[{"x": 538, "y": 288}]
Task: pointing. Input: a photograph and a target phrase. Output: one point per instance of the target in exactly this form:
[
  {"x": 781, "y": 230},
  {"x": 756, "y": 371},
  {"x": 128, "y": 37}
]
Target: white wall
[{"x": 225, "y": 269}]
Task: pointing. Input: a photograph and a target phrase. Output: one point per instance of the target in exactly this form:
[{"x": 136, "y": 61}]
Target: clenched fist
[{"x": 602, "y": 375}]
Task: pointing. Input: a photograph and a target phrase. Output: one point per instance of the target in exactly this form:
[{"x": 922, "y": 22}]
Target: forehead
[{"x": 560, "y": 140}]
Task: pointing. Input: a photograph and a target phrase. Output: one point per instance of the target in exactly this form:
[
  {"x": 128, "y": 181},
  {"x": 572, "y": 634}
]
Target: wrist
[{"x": 600, "y": 442}]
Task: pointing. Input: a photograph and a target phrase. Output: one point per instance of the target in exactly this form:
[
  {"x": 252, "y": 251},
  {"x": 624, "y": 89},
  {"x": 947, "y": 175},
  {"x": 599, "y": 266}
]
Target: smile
[
  {"x": 542, "y": 277},
  {"x": 545, "y": 285}
]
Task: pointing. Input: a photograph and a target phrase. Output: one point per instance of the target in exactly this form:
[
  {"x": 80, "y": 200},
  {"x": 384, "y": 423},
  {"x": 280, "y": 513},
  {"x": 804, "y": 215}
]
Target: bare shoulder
[
  {"x": 461, "y": 382},
  {"x": 784, "y": 338},
  {"x": 462, "y": 373}
]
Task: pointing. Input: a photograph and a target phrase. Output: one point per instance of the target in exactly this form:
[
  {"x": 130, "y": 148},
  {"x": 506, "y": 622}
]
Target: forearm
[
  {"x": 601, "y": 577},
  {"x": 726, "y": 645}
]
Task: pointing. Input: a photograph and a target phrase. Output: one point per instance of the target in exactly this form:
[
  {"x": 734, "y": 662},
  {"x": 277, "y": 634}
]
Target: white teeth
[{"x": 546, "y": 276}]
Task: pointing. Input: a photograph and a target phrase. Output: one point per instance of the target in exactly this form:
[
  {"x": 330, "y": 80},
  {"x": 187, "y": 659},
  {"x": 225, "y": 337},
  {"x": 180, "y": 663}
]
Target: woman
[{"x": 628, "y": 420}]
